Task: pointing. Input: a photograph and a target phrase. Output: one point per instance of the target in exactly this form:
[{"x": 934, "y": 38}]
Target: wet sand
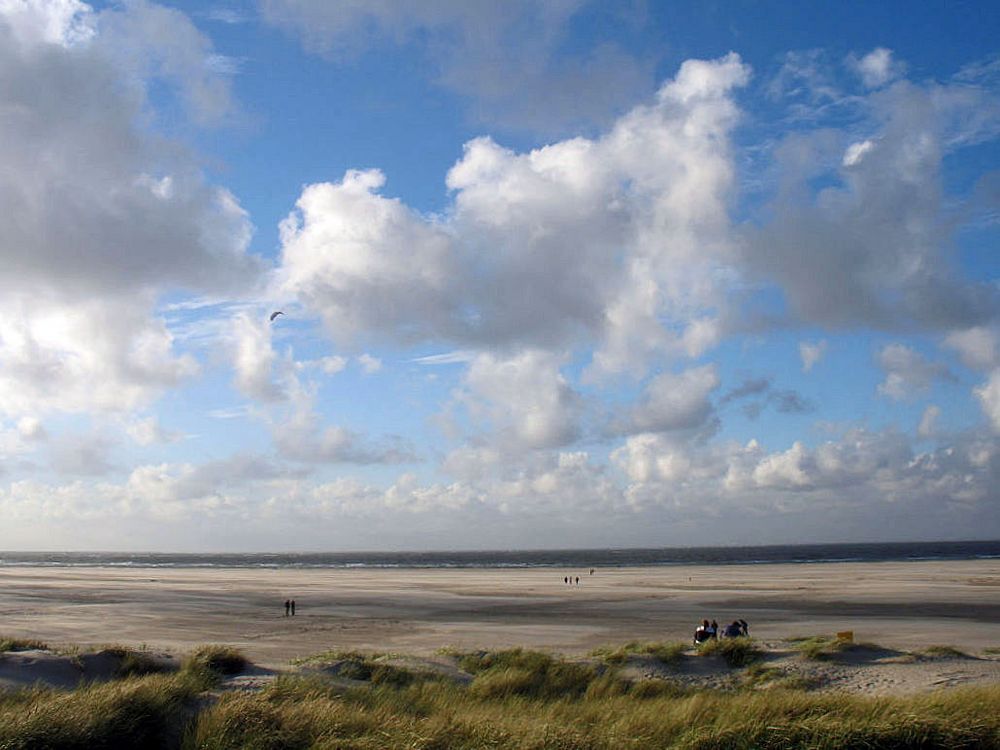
[{"x": 904, "y": 605}]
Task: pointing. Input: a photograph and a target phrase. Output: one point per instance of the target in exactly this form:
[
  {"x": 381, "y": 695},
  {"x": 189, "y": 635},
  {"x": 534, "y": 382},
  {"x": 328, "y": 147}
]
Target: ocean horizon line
[{"x": 520, "y": 558}]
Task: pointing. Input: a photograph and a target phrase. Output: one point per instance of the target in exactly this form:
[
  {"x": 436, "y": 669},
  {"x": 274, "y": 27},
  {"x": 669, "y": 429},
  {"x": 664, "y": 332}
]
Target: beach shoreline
[{"x": 900, "y": 604}]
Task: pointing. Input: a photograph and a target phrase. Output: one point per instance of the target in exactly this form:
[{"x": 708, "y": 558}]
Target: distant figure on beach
[
  {"x": 702, "y": 633},
  {"x": 714, "y": 628},
  {"x": 288, "y": 605},
  {"x": 591, "y": 571},
  {"x": 578, "y": 580},
  {"x": 745, "y": 627},
  {"x": 565, "y": 579},
  {"x": 733, "y": 630},
  {"x": 293, "y": 607}
]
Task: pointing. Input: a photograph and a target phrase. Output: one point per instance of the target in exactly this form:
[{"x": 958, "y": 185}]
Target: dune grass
[
  {"x": 737, "y": 652},
  {"x": 147, "y": 712},
  {"x": 824, "y": 647},
  {"x": 20, "y": 644},
  {"x": 531, "y": 674},
  {"x": 943, "y": 652},
  {"x": 296, "y": 714},
  {"x": 365, "y": 667},
  {"x": 137, "y": 662},
  {"x": 517, "y": 699},
  {"x": 214, "y": 661},
  {"x": 665, "y": 652}
]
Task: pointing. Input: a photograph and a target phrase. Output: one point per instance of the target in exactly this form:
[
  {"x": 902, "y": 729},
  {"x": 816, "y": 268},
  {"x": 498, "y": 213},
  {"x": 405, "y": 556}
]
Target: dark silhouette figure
[
  {"x": 744, "y": 628},
  {"x": 733, "y": 630},
  {"x": 591, "y": 571},
  {"x": 715, "y": 629},
  {"x": 288, "y": 605},
  {"x": 578, "y": 580},
  {"x": 293, "y": 607}
]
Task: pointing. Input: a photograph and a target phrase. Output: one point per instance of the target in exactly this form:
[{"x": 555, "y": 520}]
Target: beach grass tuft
[
  {"x": 944, "y": 652},
  {"x": 215, "y": 661},
  {"x": 736, "y": 652},
  {"x": 824, "y": 647},
  {"x": 137, "y": 662},
  {"x": 531, "y": 674},
  {"x": 21, "y": 644},
  {"x": 148, "y": 712},
  {"x": 665, "y": 652},
  {"x": 365, "y": 667}
]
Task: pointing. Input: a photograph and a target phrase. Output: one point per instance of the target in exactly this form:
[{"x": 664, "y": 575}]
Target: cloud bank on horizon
[{"x": 622, "y": 294}]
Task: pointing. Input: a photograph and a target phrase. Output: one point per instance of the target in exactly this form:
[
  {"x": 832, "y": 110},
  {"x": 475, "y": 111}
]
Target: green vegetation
[
  {"x": 136, "y": 662},
  {"x": 818, "y": 647},
  {"x": 517, "y": 699},
  {"x": 824, "y": 648},
  {"x": 373, "y": 668},
  {"x": 665, "y": 653},
  {"x": 531, "y": 674},
  {"x": 737, "y": 652},
  {"x": 991, "y": 650},
  {"x": 147, "y": 712},
  {"x": 214, "y": 661},
  {"x": 943, "y": 652},
  {"x": 20, "y": 644},
  {"x": 302, "y": 715}
]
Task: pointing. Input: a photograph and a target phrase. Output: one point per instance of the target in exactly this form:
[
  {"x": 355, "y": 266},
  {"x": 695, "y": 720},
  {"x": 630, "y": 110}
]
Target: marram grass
[
  {"x": 444, "y": 716},
  {"x": 516, "y": 699},
  {"x": 20, "y": 644},
  {"x": 664, "y": 652}
]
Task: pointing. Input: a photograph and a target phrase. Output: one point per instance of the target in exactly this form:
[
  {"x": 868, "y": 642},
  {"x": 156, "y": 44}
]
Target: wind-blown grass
[
  {"x": 664, "y": 652},
  {"x": 445, "y": 716},
  {"x": 531, "y": 674},
  {"x": 524, "y": 699},
  {"x": 737, "y": 652},
  {"x": 20, "y": 644},
  {"x": 824, "y": 648},
  {"x": 943, "y": 652},
  {"x": 214, "y": 661},
  {"x": 148, "y": 712},
  {"x": 373, "y": 668},
  {"x": 137, "y": 662}
]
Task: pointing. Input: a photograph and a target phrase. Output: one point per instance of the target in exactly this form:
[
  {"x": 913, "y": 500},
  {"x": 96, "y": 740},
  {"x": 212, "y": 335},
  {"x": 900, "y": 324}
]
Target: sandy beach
[{"x": 904, "y": 605}]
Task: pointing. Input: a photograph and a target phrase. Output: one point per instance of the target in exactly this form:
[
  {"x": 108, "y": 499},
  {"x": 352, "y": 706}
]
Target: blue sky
[{"x": 553, "y": 274}]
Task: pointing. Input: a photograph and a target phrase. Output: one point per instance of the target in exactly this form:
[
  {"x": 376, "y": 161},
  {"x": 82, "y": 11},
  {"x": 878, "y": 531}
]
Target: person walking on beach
[
  {"x": 288, "y": 604},
  {"x": 293, "y": 607}
]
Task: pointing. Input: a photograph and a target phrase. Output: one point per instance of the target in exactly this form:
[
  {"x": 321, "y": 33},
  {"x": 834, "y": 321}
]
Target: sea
[{"x": 564, "y": 558}]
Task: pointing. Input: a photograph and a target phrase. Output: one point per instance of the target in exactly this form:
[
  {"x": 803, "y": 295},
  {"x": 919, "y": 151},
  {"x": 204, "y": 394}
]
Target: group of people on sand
[
  {"x": 289, "y": 607},
  {"x": 574, "y": 580},
  {"x": 710, "y": 631}
]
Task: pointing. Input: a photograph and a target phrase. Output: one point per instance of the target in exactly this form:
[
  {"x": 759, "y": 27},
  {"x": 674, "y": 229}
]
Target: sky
[{"x": 557, "y": 274}]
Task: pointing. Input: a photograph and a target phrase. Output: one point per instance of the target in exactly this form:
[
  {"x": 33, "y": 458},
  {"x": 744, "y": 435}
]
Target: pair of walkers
[{"x": 289, "y": 607}]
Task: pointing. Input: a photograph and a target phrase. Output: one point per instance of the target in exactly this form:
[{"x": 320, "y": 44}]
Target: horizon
[
  {"x": 550, "y": 275},
  {"x": 485, "y": 551}
]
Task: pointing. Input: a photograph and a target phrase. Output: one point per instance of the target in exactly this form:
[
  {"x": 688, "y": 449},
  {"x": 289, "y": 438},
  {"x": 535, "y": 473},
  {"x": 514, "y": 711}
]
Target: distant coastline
[{"x": 581, "y": 558}]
